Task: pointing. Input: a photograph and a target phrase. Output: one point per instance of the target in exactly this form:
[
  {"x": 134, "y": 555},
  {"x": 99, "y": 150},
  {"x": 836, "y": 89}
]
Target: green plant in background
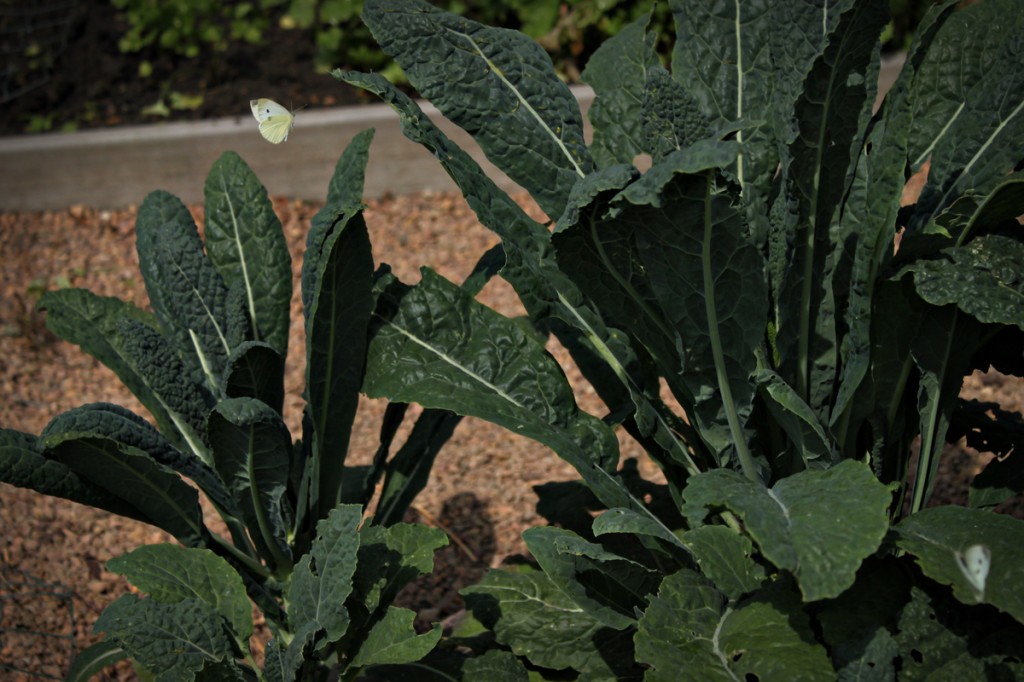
[
  {"x": 176, "y": 101},
  {"x": 750, "y": 274},
  {"x": 186, "y": 26},
  {"x": 906, "y": 15},
  {"x": 208, "y": 364},
  {"x": 569, "y": 31}
]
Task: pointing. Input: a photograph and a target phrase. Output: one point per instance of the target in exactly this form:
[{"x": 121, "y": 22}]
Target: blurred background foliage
[
  {"x": 179, "y": 59},
  {"x": 570, "y": 30}
]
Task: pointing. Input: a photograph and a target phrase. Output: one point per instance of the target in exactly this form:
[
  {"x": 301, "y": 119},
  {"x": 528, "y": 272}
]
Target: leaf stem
[
  {"x": 678, "y": 447},
  {"x": 711, "y": 311},
  {"x": 243, "y": 558},
  {"x": 930, "y": 448}
]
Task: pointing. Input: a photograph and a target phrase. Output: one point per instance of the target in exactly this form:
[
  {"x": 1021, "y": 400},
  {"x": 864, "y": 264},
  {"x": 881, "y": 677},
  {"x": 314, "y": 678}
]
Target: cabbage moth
[
  {"x": 275, "y": 121},
  {"x": 974, "y": 563}
]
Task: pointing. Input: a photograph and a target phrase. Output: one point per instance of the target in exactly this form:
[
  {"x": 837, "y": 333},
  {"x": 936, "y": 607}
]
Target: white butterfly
[
  {"x": 275, "y": 121},
  {"x": 974, "y": 563}
]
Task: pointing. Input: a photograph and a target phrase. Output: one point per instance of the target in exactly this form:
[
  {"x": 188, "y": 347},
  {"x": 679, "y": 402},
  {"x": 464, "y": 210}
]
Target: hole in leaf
[{"x": 917, "y": 656}]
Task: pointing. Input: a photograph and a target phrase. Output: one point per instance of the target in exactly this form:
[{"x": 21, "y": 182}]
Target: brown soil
[
  {"x": 481, "y": 490},
  {"x": 53, "y": 582}
]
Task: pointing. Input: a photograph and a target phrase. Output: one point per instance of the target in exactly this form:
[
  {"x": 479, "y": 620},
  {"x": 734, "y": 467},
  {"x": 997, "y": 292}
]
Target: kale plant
[
  {"x": 208, "y": 364},
  {"x": 759, "y": 312}
]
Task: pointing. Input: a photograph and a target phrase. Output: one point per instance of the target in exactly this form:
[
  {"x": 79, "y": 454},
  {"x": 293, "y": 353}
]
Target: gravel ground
[{"x": 481, "y": 490}]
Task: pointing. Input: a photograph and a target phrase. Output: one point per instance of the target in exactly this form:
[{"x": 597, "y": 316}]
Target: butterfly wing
[
  {"x": 275, "y": 121},
  {"x": 974, "y": 563},
  {"x": 276, "y": 128}
]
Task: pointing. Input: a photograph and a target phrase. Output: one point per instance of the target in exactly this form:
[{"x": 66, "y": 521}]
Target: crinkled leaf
[
  {"x": 497, "y": 84},
  {"x": 177, "y": 639},
  {"x": 442, "y": 349},
  {"x": 618, "y": 73},
  {"x": 131, "y": 474},
  {"x": 869, "y": 216},
  {"x": 808, "y": 438},
  {"x": 22, "y": 464},
  {"x": 273, "y": 663},
  {"x": 346, "y": 186},
  {"x": 296, "y": 653},
  {"x": 539, "y": 622},
  {"x": 598, "y": 253},
  {"x": 393, "y": 640},
  {"x": 629, "y": 521},
  {"x": 856, "y": 625},
  {"x": 722, "y": 60},
  {"x": 873, "y": 658},
  {"x": 938, "y": 641},
  {"x": 445, "y": 665},
  {"x": 171, "y": 574},
  {"x": 670, "y": 117},
  {"x": 344, "y": 198},
  {"x": 935, "y": 535},
  {"x": 338, "y": 315},
  {"x": 105, "y": 420},
  {"x": 982, "y": 278},
  {"x": 724, "y": 556},
  {"x": 252, "y": 451},
  {"x": 323, "y": 578},
  {"x": 686, "y": 232},
  {"x": 256, "y": 370},
  {"x": 798, "y": 34},
  {"x": 967, "y": 108},
  {"x": 90, "y": 321},
  {"x": 690, "y": 632},
  {"x": 245, "y": 242},
  {"x": 495, "y": 665},
  {"x": 389, "y": 559},
  {"x": 603, "y": 355},
  {"x": 607, "y": 586},
  {"x": 975, "y": 213},
  {"x": 834, "y": 105},
  {"x": 188, "y": 295},
  {"x": 820, "y": 525},
  {"x": 184, "y": 400}
]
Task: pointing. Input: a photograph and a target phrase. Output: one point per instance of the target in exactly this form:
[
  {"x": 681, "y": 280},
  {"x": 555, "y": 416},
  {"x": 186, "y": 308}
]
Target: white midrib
[
  {"x": 184, "y": 429},
  {"x": 716, "y": 646},
  {"x": 242, "y": 261},
  {"x": 782, "y": 506},
  {"x": 927, "y": 152},
  {"x": 530, "y": 598},
  {"x": 739, "y": 91},
  {"x": 977, "y": 155},
  {"x": 523, "y": 101},
  {"x": 206, "y": 309},
  {"x": 157, "y": 492},
  {"x": 606, "y": 353},
  {"x": 454, "y": 363}
]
